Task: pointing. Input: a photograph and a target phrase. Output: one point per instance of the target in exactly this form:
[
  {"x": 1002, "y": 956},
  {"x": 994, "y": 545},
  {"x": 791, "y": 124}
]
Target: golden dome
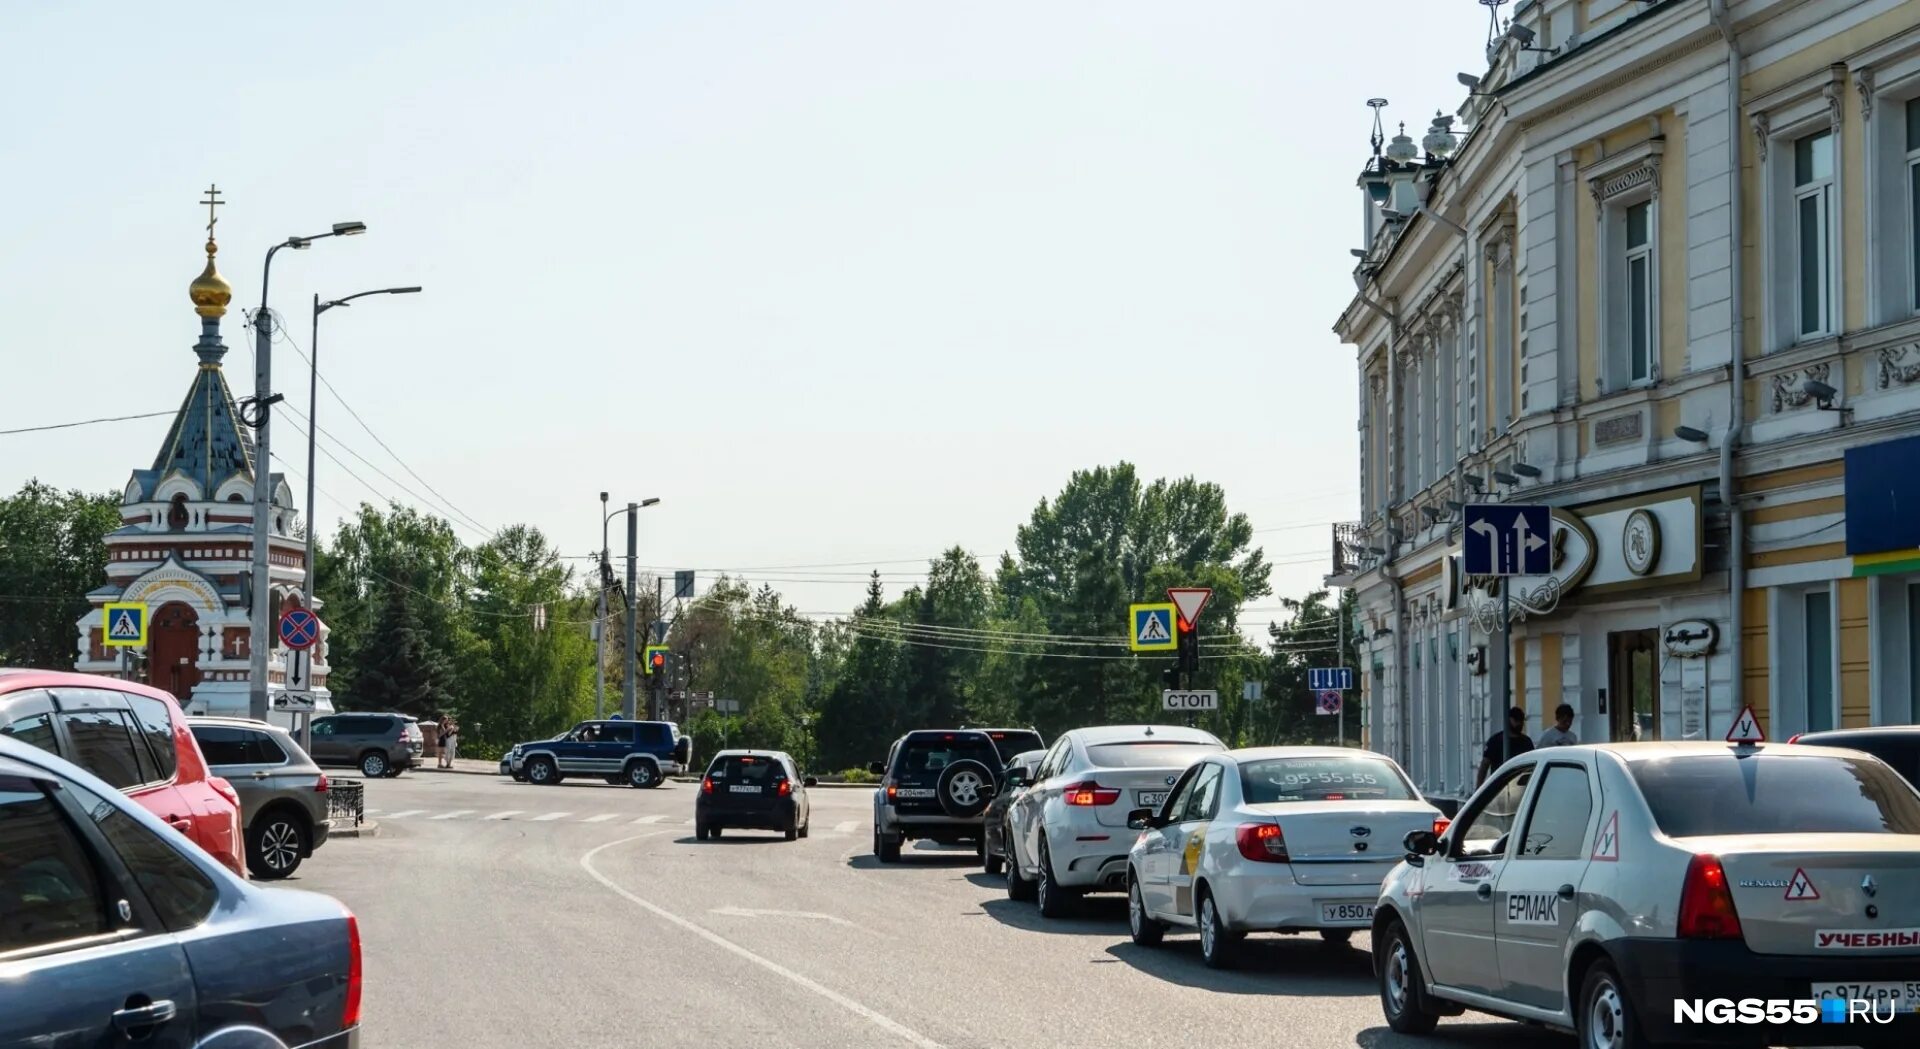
[{"x": 210, "y": 291}]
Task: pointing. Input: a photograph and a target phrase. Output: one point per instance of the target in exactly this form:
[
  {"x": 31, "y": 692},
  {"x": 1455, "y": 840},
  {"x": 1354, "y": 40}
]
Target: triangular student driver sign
[{"x": 1746, "y": 728}]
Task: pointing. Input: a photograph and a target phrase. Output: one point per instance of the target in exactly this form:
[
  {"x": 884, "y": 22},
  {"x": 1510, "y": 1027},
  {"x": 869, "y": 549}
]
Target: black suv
[
  {"x": 1897, "y": 745},
  {"x": 937, "y": 783}
]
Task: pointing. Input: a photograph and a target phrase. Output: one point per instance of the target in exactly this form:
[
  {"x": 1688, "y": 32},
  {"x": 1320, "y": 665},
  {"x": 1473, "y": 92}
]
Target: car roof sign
[{"x": 1745, "y": 730}]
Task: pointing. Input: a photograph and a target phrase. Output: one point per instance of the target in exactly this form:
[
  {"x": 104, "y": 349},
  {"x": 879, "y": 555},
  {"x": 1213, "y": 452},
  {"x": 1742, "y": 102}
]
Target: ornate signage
[
  {"x": 1640, "y": 541},
  {"x": 1691, "y": 638},
  {"x": 1573, "y": 557}
]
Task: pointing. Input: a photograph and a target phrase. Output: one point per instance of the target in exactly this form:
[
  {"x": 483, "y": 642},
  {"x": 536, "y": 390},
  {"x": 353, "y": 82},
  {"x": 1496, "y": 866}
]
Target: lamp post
[
  {"x": 628, "y": 686},
  {"x": 260, "y": 631}
]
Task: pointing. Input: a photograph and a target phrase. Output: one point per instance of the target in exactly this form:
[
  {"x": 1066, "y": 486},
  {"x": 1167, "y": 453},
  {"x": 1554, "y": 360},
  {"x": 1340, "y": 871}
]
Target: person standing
[
  {"x": 449, "y": 742},
  {"x": 1560, "y": 734},
  {"x": 1510, "y": 742}
]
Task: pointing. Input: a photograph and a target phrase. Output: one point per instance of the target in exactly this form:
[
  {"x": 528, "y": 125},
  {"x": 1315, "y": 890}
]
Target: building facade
[
  {"x": 185, "y": 545},
  {"x": 1665, "y": 279}
]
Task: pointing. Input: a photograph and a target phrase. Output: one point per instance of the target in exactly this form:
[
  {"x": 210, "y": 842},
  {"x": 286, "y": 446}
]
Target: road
[{"x": 502, "y": 914}]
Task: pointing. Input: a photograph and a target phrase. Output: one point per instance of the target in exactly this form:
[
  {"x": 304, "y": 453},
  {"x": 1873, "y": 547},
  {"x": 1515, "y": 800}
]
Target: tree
[
  {"x": 857, "y": 723},
  {"x": 52, "y": 552},
  {"x": 527, "y": 680},
  {"x": 373, "y": 556},
  {"x": 400, "y": 668}
]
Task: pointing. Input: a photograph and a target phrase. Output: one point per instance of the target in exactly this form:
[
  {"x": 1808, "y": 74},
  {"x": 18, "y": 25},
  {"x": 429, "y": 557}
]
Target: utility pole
[
  {"x": 659, "y": 612},
  {"x": 600, "y": 624},
  {"x": 1340, "y": 659},
  {"x": 629, "y": 687},
  {"x": 259, "y": 629}
]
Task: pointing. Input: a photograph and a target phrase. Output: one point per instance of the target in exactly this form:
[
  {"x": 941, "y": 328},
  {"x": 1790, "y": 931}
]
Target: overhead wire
[{"x": 85, "y": 422}]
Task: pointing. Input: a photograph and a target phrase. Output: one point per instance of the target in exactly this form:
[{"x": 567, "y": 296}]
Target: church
[{"x": 185, "y": 544}]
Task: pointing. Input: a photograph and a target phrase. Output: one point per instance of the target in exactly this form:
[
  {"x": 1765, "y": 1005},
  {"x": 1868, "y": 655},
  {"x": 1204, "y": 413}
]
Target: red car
[{"x": 135, "y": 738}]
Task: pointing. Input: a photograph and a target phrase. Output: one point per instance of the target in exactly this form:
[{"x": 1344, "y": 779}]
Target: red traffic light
[{"x": 659, "y": 660}]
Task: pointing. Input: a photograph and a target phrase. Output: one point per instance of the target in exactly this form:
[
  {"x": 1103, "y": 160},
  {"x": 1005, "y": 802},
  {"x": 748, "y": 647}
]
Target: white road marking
[
  {"x": 454, "y": 815},
  {"x": 755, "y": 912},
  {"x": 502, "y": 815},
  {"x": 551, "y": 816},
  {"x": 404, "y": 815},
  {"x": 656, "y": 818},
  {"x": 846, "y": 826},
  {"x": 602, "y": 818},
  {"x": 871, "y": 1016}
]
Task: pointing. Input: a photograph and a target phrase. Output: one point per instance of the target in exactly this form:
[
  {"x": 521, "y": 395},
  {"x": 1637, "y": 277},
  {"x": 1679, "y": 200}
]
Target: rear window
[
  {"x": 1776, "y": 794},
  {"x": 1901, "y": 750},
  {"x": 746, "y": 768},
  {"x": 1010, "y": 744},
  {"x": 933, "y": 753},
  {"x": 1322, "y": 779},
  {"x": 1150, "y": 754}
]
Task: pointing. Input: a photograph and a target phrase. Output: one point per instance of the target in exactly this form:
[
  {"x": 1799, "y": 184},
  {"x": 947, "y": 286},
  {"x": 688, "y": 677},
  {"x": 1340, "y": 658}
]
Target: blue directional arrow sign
[
  {"x": 1329, "y": 679},
  {"x": 1508, "y": 540}
]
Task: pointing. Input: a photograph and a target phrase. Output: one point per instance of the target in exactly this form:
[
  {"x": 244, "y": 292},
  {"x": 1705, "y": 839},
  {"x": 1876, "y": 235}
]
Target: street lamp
[
  {"x": 627, "y": 689},
  {"x": 259, "y": 633}
]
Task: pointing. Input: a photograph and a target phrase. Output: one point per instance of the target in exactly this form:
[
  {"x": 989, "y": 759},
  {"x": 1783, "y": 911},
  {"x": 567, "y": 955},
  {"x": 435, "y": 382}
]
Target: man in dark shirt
[{"x": 1496, "y": 753}]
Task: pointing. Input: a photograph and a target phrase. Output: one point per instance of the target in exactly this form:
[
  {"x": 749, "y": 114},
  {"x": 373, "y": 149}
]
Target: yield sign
[{"x": 1189, "y": 600}]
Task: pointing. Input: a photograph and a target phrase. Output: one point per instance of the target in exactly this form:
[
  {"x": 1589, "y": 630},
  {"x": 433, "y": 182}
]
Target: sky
[{"x": 843, "y": 284}]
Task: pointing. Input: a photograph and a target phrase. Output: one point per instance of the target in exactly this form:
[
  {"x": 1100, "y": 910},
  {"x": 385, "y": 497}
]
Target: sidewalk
[{"x": 470, "y": 766}]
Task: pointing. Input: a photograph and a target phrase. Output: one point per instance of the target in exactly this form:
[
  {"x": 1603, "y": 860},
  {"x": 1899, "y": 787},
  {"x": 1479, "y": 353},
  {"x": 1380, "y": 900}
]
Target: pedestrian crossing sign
[
  {"x": 1152, "y": 628},
  {"x": 125, "y": 624}
]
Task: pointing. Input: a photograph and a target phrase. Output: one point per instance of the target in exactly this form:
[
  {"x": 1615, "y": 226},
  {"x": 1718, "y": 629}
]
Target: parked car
[
  {"x": 638, "y": 753},
  {"x": 115, "y": 931},
  {"x": 519, "y": 775},
  {"x": 1600, "y": 889},
  {"x": 759, "y": 789},
  {"x": 935, "y": 784},
  {"x": 1271, "y": 839},
  {"x": 1897, "y": 745},
  {"x": 376, "y": 744},
  {"x": 1068, "y": 831},
  {"x": 993, "y": 822},
  {"x": 133, "y": 737},
  {"x": 283, "y": 794}
]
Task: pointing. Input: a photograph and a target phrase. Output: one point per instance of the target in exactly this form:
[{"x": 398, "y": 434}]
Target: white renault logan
[{"x": 1275, "y": 839}]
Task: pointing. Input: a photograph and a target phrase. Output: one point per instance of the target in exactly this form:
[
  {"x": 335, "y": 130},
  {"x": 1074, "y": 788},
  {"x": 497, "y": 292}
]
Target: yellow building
[{"x": 1551, "y": 311}]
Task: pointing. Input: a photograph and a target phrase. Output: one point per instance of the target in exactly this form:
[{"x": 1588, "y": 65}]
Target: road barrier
[{"x": 346, "y": 799}]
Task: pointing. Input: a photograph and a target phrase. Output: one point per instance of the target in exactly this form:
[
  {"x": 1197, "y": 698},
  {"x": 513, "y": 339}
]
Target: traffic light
[
  {"x": 656, "y": 659},
  {"x": 1189, "y": 650}
]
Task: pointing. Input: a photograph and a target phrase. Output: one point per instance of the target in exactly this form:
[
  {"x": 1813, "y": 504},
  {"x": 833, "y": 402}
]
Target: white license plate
[
  {"x": 914, "y": 792},
  {"x": 1904, "y": 992},
  {"x": 1346, "y": 912},
  {"x": 1150, "y": 799},
  {"x": 739, "y": 788}
]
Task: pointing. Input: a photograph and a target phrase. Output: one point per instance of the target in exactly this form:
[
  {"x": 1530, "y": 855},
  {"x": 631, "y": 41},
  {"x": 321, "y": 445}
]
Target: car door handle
[
  {"x": 1486, "y": 890},
  {"x": 135, "y": 1017},
  {"x": 1566, "y": 892},
  {"x": 180, "y": 823},
  {"x": 259, "y": 775}
]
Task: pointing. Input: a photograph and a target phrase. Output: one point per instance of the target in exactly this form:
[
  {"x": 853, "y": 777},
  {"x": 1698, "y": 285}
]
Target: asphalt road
[{"x": 503, "y": 914}]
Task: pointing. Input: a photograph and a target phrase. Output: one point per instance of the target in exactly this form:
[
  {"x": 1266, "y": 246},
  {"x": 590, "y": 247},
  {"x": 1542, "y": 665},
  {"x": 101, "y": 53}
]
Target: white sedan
[{"x": 1273, "y": 839}]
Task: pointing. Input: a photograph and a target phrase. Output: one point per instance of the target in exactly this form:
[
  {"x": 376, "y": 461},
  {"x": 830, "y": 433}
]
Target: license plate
[
  {"x": 1904, "y": 992},
  {"x": 738, "y": 788},
  {"x": 1150, "y": 799},
  {"x": 914, "y": 792},
  {"x": 1346, "y": 912}
]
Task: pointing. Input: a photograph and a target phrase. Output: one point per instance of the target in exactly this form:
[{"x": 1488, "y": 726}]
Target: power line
[{"x": 86, "y": 422}]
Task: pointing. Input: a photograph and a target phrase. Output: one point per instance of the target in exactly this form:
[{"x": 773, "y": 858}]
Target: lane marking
[
  {"x": 871, "y": 1016},
  {"x": 756, "y": 912},
  {"x": 846, "y": 826},
  {"x": 502, "y": 815},
  {"x": 602, "y": 818},
  {"x": 404, "y": 815},
  {"x": 454, "y": 815},
  {"x": 548, "y": 817},
  {"x": 651, "y": 819}
]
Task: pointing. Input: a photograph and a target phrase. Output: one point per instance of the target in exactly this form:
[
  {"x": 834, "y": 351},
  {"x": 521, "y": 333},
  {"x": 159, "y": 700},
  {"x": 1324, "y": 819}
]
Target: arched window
[
  {"x": 177, "y": 514},
  {"x": 236, "y": 498}
]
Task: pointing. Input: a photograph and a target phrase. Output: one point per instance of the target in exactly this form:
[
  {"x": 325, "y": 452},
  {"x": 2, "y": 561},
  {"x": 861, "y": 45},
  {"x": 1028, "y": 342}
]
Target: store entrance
[{"x": 1633, "y": 685}]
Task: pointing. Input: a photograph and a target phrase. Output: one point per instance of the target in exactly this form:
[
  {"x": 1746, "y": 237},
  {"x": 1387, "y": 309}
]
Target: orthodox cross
[{"x": 213, "y": 201}]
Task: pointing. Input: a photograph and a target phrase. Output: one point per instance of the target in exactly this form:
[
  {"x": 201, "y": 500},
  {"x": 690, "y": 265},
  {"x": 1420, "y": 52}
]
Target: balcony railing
[{"x": 1349, "y": 542}]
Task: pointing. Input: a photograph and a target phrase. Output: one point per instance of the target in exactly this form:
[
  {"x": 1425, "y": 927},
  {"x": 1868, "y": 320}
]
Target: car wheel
[
  {"x": 699, "y": 832},
  {"x": 1019, "y": 886},
  {"x": 1337, "y": 937},
  {"x": 1606, "y": 1018},
  {"x": 993, "y": 862},
  {"x": 1403, "y": 998},
  {"x": 275, "y": 845},
  {"x": 807, "y": 826},
  {"x": 643, "y": 775},
  {"x": 519, "y": 777},
  {"x": 793, "y": 828},
  {"x": 373, "y": 765},
  {"x": 1219, "y": 947},
  {"x": 1056, "y": 900},
  {"x": 714, "y": 832},
  {"x": 541, "y": 772},
  {"x": 1146, "y": 930},
  {"x": 980, "y": 847},
  {"x": 964, "y": 788},
  {"x": 887, "y": 851}
]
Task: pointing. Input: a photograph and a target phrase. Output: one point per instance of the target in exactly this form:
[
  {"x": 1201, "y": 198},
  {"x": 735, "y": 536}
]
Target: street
[{"x": 503, "y": 914}]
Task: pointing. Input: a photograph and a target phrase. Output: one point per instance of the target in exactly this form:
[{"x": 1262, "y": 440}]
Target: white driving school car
[
  {"x": 1273, "y": 839},
  {"x": 1660, "y": 893}
]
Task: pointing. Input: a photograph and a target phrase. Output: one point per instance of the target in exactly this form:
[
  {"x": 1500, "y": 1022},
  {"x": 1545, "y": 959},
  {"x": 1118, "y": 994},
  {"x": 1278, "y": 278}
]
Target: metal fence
[{"x": 346, "y": 800}]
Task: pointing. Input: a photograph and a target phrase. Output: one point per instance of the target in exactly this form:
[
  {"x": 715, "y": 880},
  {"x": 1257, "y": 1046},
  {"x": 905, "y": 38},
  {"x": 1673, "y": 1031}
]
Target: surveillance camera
[
  {"x": 1521, "y": 35},
  {"x": 1393, "y": 215},
  {"x": 1468, "y": 81},
  {"x": 1820, "y": 391},
  {"x": 1688, "y": 433},
  {"x": 1358, "y": 253}
]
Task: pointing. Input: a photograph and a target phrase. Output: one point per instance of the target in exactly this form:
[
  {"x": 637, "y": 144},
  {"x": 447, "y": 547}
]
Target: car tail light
[
  {"x": 1440, "y": 825},
  {"x": 1795, "y": 738},
  {"x": 1262, "y": 842},
  {"x": 321, "y": 787},
  {"x": 350, "y": 1016},
  {"x": 1706, "y": 903},
  {"x": 1091, "y": 793},
  {"x": 785, "y": 788},
  {"x": 892, "y": 790},
  {"x": 706, "y": 785}
]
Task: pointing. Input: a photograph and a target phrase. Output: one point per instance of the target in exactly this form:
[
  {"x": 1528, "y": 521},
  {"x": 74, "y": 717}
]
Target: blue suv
[{"x": 637, "y": 753}]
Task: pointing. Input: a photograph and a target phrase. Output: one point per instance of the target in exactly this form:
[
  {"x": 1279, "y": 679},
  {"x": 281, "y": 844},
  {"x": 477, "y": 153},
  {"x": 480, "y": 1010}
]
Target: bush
[{"x": 857, "y": 776}]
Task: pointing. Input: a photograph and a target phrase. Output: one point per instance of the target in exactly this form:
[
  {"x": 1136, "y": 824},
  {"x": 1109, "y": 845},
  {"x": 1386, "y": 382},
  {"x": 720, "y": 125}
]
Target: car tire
[
  {"x": 1607, "y": 1018},
  {"x": 713, "y": 832},
  {"x": 807, "y": 826},
  {"x": 1019, "y": 887},
  {"x": 541, "y": 772},
  {"x": 980, "y": 847},
  {"x": 519, "y": 777},
  {"x": 884, "y": 849},
  {"x": 792, "y": 830},
  {"x": 1219, "y": 946},
  {"x": 1403, "y": 993},
  {"x": 1055, "y": 899},
  {"x": 963, "y": 788},
  {"x": 373, "y": 765},
  {"x": 643, "y": 775},
  {"x": 993, "y": 861},
  {"x": 276, "y": 843},
  {"x": 1337, "y": 937},
  {"x": 699, "y": 832},
  {"x": 1147, "y": 930}
]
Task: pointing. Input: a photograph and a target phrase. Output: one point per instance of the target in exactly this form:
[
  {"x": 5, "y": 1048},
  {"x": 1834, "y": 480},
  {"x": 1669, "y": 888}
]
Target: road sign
[
  {"x": 1506, "y": 540},
  {"x": 126, "y": 624},
  {"x": 1321, "y": 679},
  {"x": 1151, "y": 628},
  {"x": 1189, "y": 600},
  {"x": 1746, "y": 728},
  {"x": 1186, "y": 700},
  {"x": 299, "y": 670},
  {"x": 1250, "y": 691},
  {"x": 656, "y": 658},
  {"x": 1327, "y": 702},
  {"x": 683, "y": 584},
  {"x": 299, "y": 628},
  {"x": 294, "y": 702},
  {"x": 728, "y": 706},
  {"x": 659, "y": 631}
]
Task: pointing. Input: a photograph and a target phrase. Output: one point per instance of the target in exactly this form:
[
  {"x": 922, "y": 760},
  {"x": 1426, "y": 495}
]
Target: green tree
[
  {"x": 372, "y": 558},
  {"x": 527, "y": 679},
  {"x": 858, "y": 720},
  {"x": 52, "y": 552}
]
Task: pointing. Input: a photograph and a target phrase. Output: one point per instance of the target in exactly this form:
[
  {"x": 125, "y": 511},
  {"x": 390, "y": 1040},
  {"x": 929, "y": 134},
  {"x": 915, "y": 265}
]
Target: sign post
[
  {"x": 299, "y": 631},
  {"x": 1506, "y": 540}
]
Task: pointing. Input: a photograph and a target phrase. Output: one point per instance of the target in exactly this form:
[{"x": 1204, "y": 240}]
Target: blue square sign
[{"x": 1508, "y": 540}]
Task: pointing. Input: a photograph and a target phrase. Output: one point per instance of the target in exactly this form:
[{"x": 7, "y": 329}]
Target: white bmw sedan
[
  {"x": 1273, "y": 839},
  {"x": 1068, "y": 833}
]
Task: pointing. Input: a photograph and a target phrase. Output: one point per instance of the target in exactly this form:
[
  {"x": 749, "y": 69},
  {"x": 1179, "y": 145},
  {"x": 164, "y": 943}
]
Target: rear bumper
[
  {"x": 776, "y": 817},
  {"x": 1257, "y": 897},
  {"x": 321, "y": 829},
  {"x": 919, "y": 825},
  {"x": 348, "y": 1039},
  {"x": 1657, "y": 972}
]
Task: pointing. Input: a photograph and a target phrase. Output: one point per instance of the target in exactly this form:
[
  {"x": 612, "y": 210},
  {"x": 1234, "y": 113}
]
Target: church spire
[{"x": 210, "y": 292}]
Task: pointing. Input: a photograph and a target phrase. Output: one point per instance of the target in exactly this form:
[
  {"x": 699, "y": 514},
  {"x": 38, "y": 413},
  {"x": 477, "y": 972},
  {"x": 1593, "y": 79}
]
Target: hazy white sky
[{"x": 841, "y": 283}]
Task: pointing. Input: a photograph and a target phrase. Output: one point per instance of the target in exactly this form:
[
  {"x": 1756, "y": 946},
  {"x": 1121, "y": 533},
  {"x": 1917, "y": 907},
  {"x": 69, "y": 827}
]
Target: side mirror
[
  {"x": 1421, "y": 843},
  {"x": 878, "y": 768},
  {"x": 1140, "y": 819},
  {"x": 1016, "y": 778},
  {"x": 810, "y": 781}
]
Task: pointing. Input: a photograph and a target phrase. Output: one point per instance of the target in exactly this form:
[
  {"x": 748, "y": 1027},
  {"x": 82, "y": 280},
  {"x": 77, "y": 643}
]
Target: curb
[
  {"x": 366, "y": 829},
  {"x": 492, "y": 770}
]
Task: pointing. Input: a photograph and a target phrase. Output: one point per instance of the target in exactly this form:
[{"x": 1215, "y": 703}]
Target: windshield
[
  {"x": 1776, "y": 794},
  {"x": 746, "y": 768},
  {"x": 1323, "y": 779},
  {"x": 1150, "y": 754},
  {"x": 932, "y": 753}
]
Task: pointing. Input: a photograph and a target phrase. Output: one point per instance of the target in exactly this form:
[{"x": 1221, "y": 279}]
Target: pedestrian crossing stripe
[
  {"x": 124, "y": 624},
  {"x": 1800, "y": 887},
  {"x": 1151, "y": 627}
]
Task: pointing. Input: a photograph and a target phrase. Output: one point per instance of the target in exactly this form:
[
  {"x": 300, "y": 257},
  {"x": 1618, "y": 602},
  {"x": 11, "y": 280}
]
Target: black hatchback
[
  {"x": 755, "y": 789},
  {"x": 1897, "y": 745}
]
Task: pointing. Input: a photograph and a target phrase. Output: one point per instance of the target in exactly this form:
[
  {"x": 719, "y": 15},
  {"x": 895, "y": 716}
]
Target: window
[
  {"x": 103, "y": 743},
  {"x": 322, "y": 727},
  {"x": 180, "y": 892},
  {"x": 933, "y": 753},
  {"x": 1819, "y": 660},
  {"x": 1323, "y": 779},
  {"x": 1181, "y": 796},
  {"x": 28, "y": 717},
  {"x": 1638, "y": 336},
  {"x": 1486, "y": 827},
  {"x": 1143, "y": 754},
  {"x": 622, "y": 734},
  {"x": 1557, "y": 826},
  {"x": 177, "y": 514},
  {"x": 655, "y": 734},
  {"x": 1503, "y": 336},
  {"x": 1204, "y": 800},
  {"x": 263, "y": 749},
  {"x": 1812, "y": 233},
  {"x": 1913, "y": 201},
  {"x": 154, "y": 719},
  {"x": 1774, "y": 794},
  {"x": 224, "y": 746},
  {"x": 745, "y": 769},
  {"x": 51, "y": 890}
]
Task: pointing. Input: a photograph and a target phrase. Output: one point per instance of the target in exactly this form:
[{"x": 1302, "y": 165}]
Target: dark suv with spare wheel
[
  {"x": 935, "y": 784},
  {"x": 637, "y": 753},
  {"x": 376, "y": 744}
]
